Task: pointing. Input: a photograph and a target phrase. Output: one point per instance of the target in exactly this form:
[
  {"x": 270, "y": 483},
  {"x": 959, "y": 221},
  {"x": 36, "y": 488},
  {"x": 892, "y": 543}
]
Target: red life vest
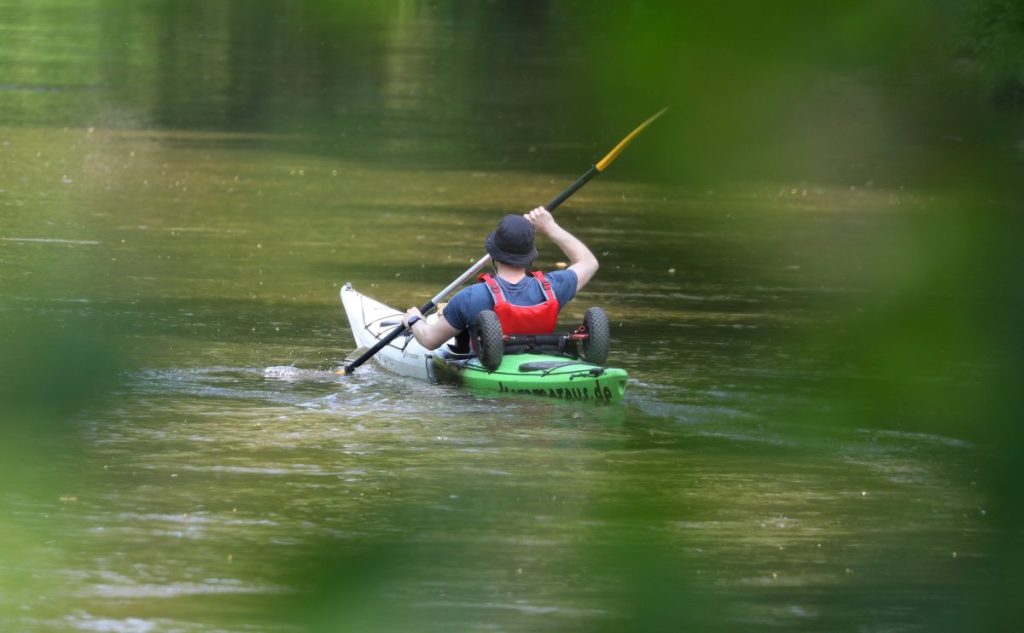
[{"x": 536, "y": 319}]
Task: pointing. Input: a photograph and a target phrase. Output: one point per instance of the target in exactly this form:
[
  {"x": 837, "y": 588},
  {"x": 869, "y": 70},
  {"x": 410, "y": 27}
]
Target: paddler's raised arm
[{"x": 582, "y": 261}]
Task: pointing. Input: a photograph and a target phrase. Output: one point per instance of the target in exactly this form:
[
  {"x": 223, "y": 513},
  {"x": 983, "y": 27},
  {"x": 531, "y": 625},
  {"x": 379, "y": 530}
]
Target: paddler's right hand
[
  {"x": 542, "y": 220},
  {"x": 409, "y": 314}
]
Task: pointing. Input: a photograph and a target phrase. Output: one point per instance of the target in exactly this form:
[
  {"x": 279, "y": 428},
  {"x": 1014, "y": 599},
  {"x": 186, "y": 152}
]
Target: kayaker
[{"x": 526, "y": 303}]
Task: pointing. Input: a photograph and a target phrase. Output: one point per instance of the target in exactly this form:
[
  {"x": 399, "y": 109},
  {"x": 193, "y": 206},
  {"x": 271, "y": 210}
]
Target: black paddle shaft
[
  {"x": 573, "y": 188},
  {"x": 429, "y": 306}
]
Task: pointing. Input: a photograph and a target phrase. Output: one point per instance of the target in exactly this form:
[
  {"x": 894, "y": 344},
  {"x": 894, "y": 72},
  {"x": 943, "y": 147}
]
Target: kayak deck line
[{"x": 549, "y": 366}]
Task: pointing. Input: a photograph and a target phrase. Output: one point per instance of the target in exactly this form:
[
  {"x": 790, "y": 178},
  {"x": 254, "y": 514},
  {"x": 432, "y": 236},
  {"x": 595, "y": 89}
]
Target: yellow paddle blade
[{"x": 612, "y": 155}]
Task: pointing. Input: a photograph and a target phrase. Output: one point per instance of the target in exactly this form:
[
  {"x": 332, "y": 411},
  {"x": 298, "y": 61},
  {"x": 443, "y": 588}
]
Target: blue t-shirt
[{"x": 463, "y": 308}]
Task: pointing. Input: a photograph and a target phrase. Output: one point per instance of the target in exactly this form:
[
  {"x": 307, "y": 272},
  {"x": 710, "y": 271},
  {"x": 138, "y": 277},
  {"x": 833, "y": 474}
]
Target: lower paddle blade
[
  {"x": 356, "y": 353},
  {"x": 353, "y": 355}
]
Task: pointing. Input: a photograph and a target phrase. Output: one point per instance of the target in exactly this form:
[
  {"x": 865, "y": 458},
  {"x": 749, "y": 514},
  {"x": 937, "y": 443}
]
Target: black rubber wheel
[
  {"x": 598, "y": 342},
  {"x": 490, "y": 344}
]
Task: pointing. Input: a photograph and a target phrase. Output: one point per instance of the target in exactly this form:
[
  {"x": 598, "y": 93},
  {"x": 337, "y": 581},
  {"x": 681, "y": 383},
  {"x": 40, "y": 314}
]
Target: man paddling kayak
[{"x": 526, "y": 303}]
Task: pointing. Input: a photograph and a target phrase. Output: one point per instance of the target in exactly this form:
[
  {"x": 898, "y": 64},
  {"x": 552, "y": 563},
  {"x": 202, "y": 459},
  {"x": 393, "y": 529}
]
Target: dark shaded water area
[{"x": 814, "y": 435}]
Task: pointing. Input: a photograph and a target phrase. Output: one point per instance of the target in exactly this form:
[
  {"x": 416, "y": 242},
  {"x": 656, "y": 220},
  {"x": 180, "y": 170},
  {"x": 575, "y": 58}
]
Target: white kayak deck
[{"x": 371, "y": 321}]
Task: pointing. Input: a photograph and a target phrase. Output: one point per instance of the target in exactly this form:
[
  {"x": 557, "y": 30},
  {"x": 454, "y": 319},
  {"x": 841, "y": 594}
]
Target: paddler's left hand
[{"x": 410, "y": 313}]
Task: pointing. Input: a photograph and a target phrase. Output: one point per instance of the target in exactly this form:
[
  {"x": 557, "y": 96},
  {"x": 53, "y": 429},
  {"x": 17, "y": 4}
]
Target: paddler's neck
[{"x": 511, "y": 274}]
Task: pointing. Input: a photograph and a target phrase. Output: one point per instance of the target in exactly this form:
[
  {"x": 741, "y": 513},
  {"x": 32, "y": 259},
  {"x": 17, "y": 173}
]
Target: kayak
[{"x": 546, "y": 375}]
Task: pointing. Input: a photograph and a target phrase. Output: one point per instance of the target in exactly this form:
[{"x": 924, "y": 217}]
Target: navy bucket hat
[{"x": 512, "y": 242}]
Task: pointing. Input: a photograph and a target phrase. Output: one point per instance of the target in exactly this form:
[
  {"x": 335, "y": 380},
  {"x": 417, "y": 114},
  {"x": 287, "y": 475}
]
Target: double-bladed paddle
[{"x": 429, "y": 306}]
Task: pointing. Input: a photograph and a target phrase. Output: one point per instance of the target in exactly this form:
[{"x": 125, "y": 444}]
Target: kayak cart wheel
[
  {"x": 598, "y": 341},
  {"x": 489, "y": 340}
]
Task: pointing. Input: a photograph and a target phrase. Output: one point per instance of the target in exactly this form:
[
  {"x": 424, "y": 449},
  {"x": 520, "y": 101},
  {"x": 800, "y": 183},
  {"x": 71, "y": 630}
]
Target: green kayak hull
[{"x": 537, "y": 375}]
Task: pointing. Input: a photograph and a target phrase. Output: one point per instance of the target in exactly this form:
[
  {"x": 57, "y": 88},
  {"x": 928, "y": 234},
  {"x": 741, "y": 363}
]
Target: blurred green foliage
[
  {"x": 995, "y": 42},
  {"x": 52, "y": 372}
]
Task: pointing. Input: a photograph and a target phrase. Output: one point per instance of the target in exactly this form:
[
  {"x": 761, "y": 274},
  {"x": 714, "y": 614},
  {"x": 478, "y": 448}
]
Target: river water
[{"x": 186, "y": 186}]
